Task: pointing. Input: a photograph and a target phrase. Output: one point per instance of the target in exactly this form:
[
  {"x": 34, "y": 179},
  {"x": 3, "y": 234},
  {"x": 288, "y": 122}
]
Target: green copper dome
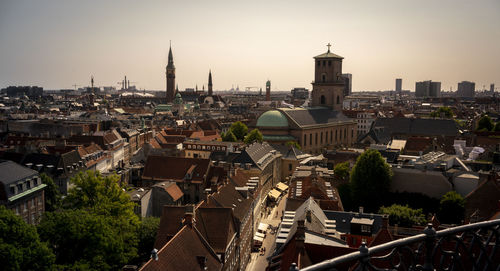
[{"x": 272, "y": 118}]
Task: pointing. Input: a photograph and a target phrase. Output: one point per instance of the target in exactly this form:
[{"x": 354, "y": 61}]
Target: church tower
[
  {"x": 328, "y": 84},
  {"x": 268, "y": 90},
  {"x": 170, "y": 74},
  {"x": 210, "y": 91}
]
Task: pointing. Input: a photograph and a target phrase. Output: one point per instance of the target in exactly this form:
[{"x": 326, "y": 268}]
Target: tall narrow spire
[
  {"x": 170, "y": 74},
  {"x": 170, "y": 58},
  {"x": 210, "y": 91}
]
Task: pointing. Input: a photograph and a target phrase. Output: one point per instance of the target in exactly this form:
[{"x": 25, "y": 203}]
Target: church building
[{"x": 321, "y": 126}]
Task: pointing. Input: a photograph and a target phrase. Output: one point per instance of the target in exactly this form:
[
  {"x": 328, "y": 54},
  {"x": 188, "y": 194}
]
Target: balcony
[{"x": 468, "y": 247}]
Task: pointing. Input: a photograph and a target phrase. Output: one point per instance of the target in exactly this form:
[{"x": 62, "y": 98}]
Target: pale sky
[{"x": 55, "y": 44}]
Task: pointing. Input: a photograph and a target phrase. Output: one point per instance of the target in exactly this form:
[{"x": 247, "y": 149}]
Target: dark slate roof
[
  {"x": 11, "y": 172},
  {"x": 343, "y": 220},
  {"x": 408, "y": 126},
  {"x": 287, "y": 152},
  {"x": 257, "y": 154},
  {"x": 301, "y": 117}
]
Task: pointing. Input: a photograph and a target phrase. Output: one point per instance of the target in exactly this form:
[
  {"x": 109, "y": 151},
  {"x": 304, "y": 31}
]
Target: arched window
[
  {"x": 319, "y": 63},
  {"x": 323, "y": 99},
  {"x": 321, "y": 138},
  {"x": 338, "y": 99},
  {"x": 305, "y": 139},
  {"x": 323, "y": 78},
  {"x": 329, "y": 63},
  {"x": 335, "y": 134}
]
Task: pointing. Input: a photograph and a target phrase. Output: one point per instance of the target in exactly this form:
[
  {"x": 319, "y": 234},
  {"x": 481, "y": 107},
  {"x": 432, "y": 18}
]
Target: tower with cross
[
  {"x": 170, "y": 76},
  {"x": 328, "y": 84}
]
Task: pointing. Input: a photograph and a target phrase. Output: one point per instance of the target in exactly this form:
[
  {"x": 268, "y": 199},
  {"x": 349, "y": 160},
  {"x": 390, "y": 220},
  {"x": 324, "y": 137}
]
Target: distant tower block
[
  {"x": 268, "y": 90},
  {"x": 210, "y": 91},
  {"x": 492, "y": 88},
  {"x": 399, "y": 83},
  {"x": 170, "y": 74}
]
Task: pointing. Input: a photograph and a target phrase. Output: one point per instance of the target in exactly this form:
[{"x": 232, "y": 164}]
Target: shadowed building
[{"x": 170, "y": 74}]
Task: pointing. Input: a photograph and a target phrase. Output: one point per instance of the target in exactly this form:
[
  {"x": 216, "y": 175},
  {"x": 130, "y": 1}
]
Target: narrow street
[{"x": 258, "y": 261}]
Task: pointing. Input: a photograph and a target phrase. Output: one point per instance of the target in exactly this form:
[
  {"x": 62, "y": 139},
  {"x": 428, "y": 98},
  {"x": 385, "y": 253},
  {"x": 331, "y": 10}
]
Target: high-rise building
[
  {"x": 210, "y": 91},
  {"x": 170, "y": 76},
  {"x": 399, "y": 83},
  {"x": 428, "y": 88},
  {"x": 348, "y": 84},
  {"x": 268, "y": 90},
  {"x": 466, "y": 89},
  {"x": 492, "y": 88},
  {"x": 328, "y": 85}
]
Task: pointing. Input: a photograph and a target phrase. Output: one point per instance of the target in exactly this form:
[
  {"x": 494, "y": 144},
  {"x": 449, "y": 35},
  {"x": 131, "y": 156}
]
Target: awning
[
  {"x": 282, "y": 186},
  {"x": 260, "y": 234},
  {"x": 257, "y": 238},
  {"x": 274, "y": 194},
  {"x": 262, "y": 227}
]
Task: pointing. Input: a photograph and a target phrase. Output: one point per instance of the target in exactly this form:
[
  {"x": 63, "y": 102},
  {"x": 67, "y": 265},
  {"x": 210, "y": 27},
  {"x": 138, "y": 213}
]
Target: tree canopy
[
  {"x": 497, "y": 127},
  {"x": 370, "y": 180},
  {"x": 293, "y": 144},
  {"x": 485, "y": 124},
  {"x": 254, "y": 136},
  {"x": 452, "y": 208},
  {"x": 51, "y": 193},
  {"x": 403, "y": 215},
  {"x": 147, "y": 236},
  {"x": 341, "y": 170},
  {"x": 20, "y": 245},
  {"x": 443, "y": 111},
  {"x": 239, "y": 129},
  {"x": 229, "y": 137}
]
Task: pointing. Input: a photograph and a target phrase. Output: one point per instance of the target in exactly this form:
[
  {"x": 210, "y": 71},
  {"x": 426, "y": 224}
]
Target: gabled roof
[
  {"x": 11, "y": 172},
  {"x": 313, "y": 116},
  {"x": 217, "y": 226},
  {"x": 328, "y": 54},
  {"x": 164, "y": 168},
  {"x": 170, "y": 224},
  {"x": 258, "y": 154},
  {"x": 184, "y": 252}
]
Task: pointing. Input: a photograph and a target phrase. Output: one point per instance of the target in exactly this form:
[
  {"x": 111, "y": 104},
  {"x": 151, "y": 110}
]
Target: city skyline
[{"x": 57, "y": 44}]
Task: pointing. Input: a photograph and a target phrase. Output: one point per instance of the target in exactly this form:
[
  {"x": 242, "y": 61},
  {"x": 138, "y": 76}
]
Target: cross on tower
[{"x": 328, "y": 45}]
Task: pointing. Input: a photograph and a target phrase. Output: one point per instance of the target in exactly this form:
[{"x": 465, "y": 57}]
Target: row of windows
[
  {"x": 324, "y": 62},
  {"x": 23, "y": 186},
  {"x": 338, "y": 136},
  {"x": 203, "y": 147}
]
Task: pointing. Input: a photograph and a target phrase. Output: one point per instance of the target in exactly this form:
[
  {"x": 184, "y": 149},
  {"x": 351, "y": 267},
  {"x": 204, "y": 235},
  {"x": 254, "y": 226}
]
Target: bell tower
[
  {"x": 170, "y": 76},
  {"x": 328, "y": 84}
]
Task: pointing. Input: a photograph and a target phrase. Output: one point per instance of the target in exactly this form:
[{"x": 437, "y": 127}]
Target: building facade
[
  {"x": 466, "y": 89},
  {"x": 427, "y": 89}
]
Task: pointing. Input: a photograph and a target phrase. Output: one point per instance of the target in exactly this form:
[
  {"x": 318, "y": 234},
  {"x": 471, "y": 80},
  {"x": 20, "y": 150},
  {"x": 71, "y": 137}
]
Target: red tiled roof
[
  {"x": 170, "y": 224},
  {"x": 183, "y": 252},
  {"x": 165, "y": 168},
  {"x": 217, "y": 226},
  {"x": 174, "y": 191}
]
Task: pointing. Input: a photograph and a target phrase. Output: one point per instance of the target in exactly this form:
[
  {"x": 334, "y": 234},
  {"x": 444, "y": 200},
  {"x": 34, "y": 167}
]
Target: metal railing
[{"x": 468, "y": 247}]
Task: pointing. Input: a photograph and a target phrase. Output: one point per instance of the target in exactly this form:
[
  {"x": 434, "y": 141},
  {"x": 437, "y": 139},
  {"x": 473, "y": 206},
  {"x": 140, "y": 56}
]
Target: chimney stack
[
  {"x": 188, "y": 215},
  {"x": 300, "y": 236}
]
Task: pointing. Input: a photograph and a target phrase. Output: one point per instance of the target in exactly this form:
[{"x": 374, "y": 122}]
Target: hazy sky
[{"x": 55, "y": 44}]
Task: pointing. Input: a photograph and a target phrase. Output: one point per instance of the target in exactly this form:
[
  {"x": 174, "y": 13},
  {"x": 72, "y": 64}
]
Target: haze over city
[{"x": 56, "y": 44}]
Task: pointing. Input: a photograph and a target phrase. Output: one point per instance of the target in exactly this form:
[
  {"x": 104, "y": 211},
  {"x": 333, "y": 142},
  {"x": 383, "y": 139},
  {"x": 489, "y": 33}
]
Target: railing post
[
  {"x": 363, "y": 250},
  {"x": 293, "y": 267},
  {"x": 430, "y": 239}
]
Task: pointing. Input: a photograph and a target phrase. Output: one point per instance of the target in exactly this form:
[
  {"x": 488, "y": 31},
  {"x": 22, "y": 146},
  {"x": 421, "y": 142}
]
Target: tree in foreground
[
  {"x": 51, "y": 193},
  {"x": 403, "y": 215},
  {"x": 20, "y": 245},
  {"x": 370, "y": 180},
  {"x": 485, "y": 124},
  {"x": 341, "y": 170},
  {"x": 254, "y": 136},
  {"x": 147, "y": 236},
  {"x": 239, "y": 129},
  {"x": 497, "y": 127},
  {"x": 293, "y": 144},
  {"x": 229, "y": 137},
  {"x": 451, "y": 208}
]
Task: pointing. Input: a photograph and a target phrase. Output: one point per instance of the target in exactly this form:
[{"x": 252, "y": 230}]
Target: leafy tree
[
  {"x": 85, "y": 240},
  {"x": 370, "y": 180},
  {"x": 51, "y": 194},
  {"x": 293, "y": 144},
  {"x": 239, "y": 129},
  {"x": 452, "y": 208},
  {"x": 485, "y": 123},
  {"x": 342, "y": 170},
  {"x": 20, "y": 245},
  {"x": 229, "y": 137},
  {"x": 346, "y": 196},
  {"x": 403, "y": 215},
  {"x": 446, "y": 111},
  {"x": 497, "y": 127},
  {"x": 253, "y": 136},
  {"x": 146, "y": 234}
]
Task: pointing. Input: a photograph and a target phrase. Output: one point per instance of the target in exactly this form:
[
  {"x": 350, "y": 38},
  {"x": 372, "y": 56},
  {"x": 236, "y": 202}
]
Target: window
[
  {"x": 323, "y": 99},
  {"x": 323, "y": 78},
  {"x": 25, "y": 206},
  {"x": 329, "y": 63},
  {"x": 316, "y": 139},
  {"x": 28, "y": 184},
  {"x": 338, "y": 99},
  {"x": 319, "y": 64},
  {"x": 340, "y": 136},
  {"x": 331, "y": 136},
  {"x": 13, "y": 190},
  {"x": 321, "y": 138},
  {"x": 345, "y": 133},
  {"x": 305, "y": 139},
  {"x": 365, "y": 228},
  {"x": 289, "y": 167},
  {"x": 324, "y": 62},
  {"x": 19, "y": 187},
  {"x": 352, "y": 132},
  {"x": 310, "y": 139},
  {"x": 335, "y": 135}
]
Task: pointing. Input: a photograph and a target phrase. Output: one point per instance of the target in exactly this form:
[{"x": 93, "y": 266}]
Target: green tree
[
  {"x": 451, "y": 208},
  {"x": 147, "y": 235},
  {"x": 403, "y": 215},
  {"x": 346, "y": 196},
  {"x": 485, "y": 124},
  {"x": 20, "y": 245},
  {"x": 239, "y": 129},
  {"x": 370, "y": 180},
  {"x": 254, "y": 136},
  {"x": 444, "y": 110},
  {"x": 51, "y": 194},
  {"x": 497, "y": 127},
  {"x": 293, "y": 144},
  {"x": 229, "y": 137},
  {"x": 85, "y": 240},
  {"x": 342, "y": 170}
]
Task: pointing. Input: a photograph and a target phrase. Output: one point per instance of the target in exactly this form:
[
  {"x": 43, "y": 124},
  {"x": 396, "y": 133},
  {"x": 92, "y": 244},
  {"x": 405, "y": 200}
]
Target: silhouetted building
[
  {"x": 328, "y": 85},
  {"x": 210, "y": 90},
  {"x": 30, "y": 91},
  {"x": 348, "y": 84},
  {"x": 300, "y": 93},
  {"x": 399, "y": 83},
  {"x": 268, "y": 90},
  {"x": 428, "y": 88},
  {"x": 466, "y": 89}
]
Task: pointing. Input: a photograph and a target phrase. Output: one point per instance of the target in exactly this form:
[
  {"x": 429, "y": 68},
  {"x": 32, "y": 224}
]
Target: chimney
[
  {"x": 188, "y": 215},
  {"x": 300, "y": 236},
  {"x": 385, "y": 221},
  {"x": 308, "y": 216},
  {"x": 361, "y": 209}
]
